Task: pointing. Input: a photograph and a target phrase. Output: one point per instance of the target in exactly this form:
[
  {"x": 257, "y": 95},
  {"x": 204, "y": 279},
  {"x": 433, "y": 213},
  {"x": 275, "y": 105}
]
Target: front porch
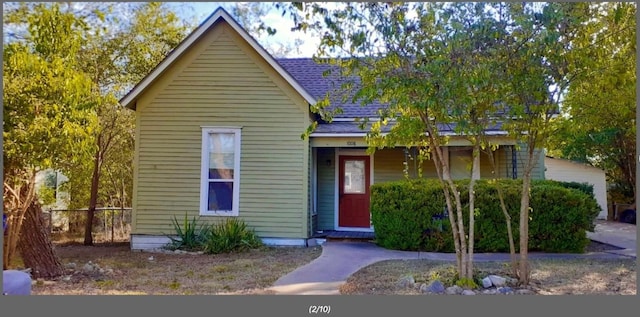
[{"x": 342, "y": 172}]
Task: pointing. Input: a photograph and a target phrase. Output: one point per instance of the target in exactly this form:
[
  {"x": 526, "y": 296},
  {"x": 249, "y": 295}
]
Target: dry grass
[
  {"x": 134, "y": 273},
  {"x": 549, "y": 277}
]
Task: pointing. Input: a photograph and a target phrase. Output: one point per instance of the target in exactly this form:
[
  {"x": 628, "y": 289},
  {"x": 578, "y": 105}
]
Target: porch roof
[{"x": 338, "y": 128}]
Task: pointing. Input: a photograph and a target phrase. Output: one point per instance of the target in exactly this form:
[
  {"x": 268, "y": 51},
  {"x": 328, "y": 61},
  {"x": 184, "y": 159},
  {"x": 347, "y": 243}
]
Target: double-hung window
[{"x": 220, "y": 171}]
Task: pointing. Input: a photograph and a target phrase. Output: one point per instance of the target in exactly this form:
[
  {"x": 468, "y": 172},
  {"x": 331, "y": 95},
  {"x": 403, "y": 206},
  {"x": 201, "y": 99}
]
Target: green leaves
[
  {"x": 189, "y": 235},
  {"x": 229, "y": 235},
  {"x": 47, "y": 105},
  {"x": 597, "y": 125}
]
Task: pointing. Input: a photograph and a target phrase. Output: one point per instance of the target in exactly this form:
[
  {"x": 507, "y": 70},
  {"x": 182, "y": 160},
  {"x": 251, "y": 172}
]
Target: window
[{"x": 220, "y": 172}]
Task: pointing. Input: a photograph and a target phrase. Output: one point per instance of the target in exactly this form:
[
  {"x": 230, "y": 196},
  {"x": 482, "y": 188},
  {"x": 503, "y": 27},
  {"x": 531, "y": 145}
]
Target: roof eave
[{"x": 363, "y": 134}]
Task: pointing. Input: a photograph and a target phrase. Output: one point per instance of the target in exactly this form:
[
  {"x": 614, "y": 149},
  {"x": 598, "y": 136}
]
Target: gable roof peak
[{"x": 129, "y": 100}]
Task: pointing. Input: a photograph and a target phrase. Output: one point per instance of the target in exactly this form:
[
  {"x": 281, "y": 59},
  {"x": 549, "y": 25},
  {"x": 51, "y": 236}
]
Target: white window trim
[{"x": 204, "y": 172}]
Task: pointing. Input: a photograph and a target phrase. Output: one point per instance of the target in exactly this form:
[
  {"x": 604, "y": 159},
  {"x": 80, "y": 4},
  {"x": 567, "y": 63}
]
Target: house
[
  {"x": 218, "y": 126},
  {"x": 569, "y": 171}
]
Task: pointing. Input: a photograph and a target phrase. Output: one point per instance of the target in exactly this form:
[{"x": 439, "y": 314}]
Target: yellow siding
[
  {"x": 222, "y": 81},
  {"x": 487, "y": 170},
  {"x": 389, "y": 166}
]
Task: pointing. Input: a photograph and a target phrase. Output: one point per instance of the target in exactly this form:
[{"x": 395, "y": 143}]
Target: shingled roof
[{"x": 310, "y": 75}]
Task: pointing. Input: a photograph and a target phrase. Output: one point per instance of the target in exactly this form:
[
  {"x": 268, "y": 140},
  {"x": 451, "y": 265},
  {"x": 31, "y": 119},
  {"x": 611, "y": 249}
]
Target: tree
[
  {"x": 485, "y": 50},
  {"x": 251, "y": 16},
  {"x": 540, "y": 70},
  {"x": 116, "y": 59},
  {"x": 598, "y": 114},
  {"x": 433, "y": 65},
  {"x": 67, "y": 64},
  {"x": 452, "y": 64},
  {"x": 48, "y": 108}
]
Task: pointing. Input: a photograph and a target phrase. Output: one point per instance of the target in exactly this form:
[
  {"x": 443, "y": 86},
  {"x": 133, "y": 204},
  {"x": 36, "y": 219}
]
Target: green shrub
[
  {"x": 404, "y": 215},
  {"x": 561, "y": 217},
  {"x": 466, "y": 283},
  {"x": 230, "y": 235},
  {"x": 190, "y": 236},
  {"x": 490, "y": 223},
  {"x": 403, "y": 218},
  {"x": 583, "y": 187}
]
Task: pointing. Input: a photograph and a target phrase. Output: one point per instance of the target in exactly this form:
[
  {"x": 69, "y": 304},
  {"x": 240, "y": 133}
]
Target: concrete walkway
[
  {"x": 339, "y": 260},
  {"x": 619, "y": 234}
]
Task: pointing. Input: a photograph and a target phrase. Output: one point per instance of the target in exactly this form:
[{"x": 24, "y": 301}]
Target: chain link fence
[{"x": 111, "y": 224}]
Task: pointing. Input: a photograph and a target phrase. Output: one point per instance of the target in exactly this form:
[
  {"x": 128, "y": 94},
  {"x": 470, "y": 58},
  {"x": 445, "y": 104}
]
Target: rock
[
  {"x": 512, "y": 281},
  {"x": 407, "y": 282},
  {"x": 486, "y": 282},
  {"x": 491, "y": 291},
  {"x": 200, "y": 252},
  {"x": 67, "y": 278},
  {"x": 70, "y": 266},
  {"x": 424, "y": 288},
  {"x": 497, "y": 281},
  {"x": 109, "y": 271},
  {"x": 436, "y": 287},
  {"x": 151, "y": 258},
  {"x": 101, "y": 271},
  {"x": 468, "y": 292},
  {"x": 524, "y": 291},
  {"x": 454, "y": 290},
  {"x": 505, "y": 290},
  {"x": 88, "y": 268}
]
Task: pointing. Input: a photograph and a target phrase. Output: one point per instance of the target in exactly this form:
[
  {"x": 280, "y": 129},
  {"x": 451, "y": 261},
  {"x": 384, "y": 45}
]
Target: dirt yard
[
  {"x": 549, "y": 277},
  {"x": 116, "y": 270},
  {"x": 113, "y": 269}
]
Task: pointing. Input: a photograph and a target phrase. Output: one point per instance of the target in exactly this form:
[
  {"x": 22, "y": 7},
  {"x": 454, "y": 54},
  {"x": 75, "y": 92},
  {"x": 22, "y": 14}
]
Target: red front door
[{"x": 354, "y": 182}]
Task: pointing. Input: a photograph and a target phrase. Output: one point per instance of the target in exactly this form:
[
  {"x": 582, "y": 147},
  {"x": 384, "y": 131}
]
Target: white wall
[{"x": 568, "y": 171}]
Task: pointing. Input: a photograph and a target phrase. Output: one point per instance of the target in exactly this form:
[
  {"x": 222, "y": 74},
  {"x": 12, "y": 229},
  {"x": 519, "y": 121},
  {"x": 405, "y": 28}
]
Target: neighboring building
[
  {"x": 218, "y": 126},
  {"x": 570, "y": 171},
  {"x": 52, "y": 180}
]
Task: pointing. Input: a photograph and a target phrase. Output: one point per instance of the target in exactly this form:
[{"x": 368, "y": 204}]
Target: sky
[{"x": 198, "y": 11}]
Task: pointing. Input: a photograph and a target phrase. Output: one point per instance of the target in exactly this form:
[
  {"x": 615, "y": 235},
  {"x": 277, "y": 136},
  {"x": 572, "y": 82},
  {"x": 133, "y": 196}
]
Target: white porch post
[
  {"x": 476, "y": 167},
  {"x": 445, "y": 158}
]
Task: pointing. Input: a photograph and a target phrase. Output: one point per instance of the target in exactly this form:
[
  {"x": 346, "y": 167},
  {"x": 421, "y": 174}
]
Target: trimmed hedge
[
  {"x": 410, "y": 215},
  {"x": 583, "y": 187}
]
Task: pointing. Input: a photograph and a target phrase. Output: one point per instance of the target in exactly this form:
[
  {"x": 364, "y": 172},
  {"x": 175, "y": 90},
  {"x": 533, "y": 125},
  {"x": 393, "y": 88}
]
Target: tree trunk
[
  {"x": 449, "y": 187},
  {"x": 524, "y": 229},
  {"x": 442, "y": 168},
  {"x": 93, "y": 200},
  {"x": 461, "y": 231},
  {"x": 512, "y": 246},
  {"x": 505, "y": 212},
  {"x": 18, "y": 196},
  {"x": 35, "y": 245},
  {"x": 475, "y": 172},
  {"x": 524, "y": 212}
]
